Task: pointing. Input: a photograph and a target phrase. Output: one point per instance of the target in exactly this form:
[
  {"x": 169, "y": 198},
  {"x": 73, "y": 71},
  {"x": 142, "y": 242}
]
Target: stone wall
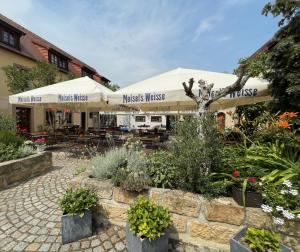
[
  {"x": 206, "y": 224},
  {"x": 16, "y": 171}
]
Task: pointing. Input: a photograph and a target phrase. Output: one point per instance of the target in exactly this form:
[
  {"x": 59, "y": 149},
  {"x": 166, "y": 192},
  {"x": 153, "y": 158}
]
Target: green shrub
[
  {"x": 106, "y": 165},
  {"x": 11, "y": 152},
  {"x": 7, "y": 152},
  {"x": 7, "y": 122},
  {"x": 262, "y": 240},
  {"x": 211, "y": 188},
  {"x": 77, "y": 201},
  {"x": 162, "y": 169},
  {"x": 10, "y": 138},
  {"x": 134, "y": 176},
  {"x": 148, "y": 220},
  {"x": 24, "y": 151},
  {"x": 196, "y": 154}
]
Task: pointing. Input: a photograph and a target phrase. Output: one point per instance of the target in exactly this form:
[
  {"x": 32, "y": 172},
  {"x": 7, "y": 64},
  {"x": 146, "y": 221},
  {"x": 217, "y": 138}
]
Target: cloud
[
  {"x": 124, "y": 41},
  {"x": 207, "y": 24},
  {"x": 224, "y": 38}
]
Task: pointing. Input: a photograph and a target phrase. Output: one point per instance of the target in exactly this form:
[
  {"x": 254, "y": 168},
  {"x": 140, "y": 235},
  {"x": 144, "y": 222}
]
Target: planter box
[
  {"x": 252, "y": 199},
  {"x": 75, "y": 228},
  {"x": 236, "y": 246},
  {"x": 136, "y": 244}
]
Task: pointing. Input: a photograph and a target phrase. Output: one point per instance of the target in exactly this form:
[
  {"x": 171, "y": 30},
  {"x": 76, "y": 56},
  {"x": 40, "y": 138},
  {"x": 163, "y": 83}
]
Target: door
[
  {"x": 83, "y": 121},
  {"x": 23, "y": 119}
]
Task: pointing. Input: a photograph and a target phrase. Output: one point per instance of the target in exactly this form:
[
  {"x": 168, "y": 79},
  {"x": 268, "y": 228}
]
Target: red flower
[
  {"x": 252, "y": 180},
  {"x": 236, "y": 173}
]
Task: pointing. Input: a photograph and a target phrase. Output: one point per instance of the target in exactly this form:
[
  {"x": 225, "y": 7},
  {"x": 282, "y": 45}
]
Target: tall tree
[
  {"x": 20, "y": 79},
  {"x": 282, "y": 63}
]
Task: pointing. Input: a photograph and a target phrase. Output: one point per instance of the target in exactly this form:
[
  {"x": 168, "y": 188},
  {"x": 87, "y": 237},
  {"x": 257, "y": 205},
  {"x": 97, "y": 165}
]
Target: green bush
[
  {"x": 11, "y": 152},
  {"x": 162, "y": 169},
  {"x": 77, "y": 201},
  {"x": 24, "y": 151},
  {"x": 196, "y": 154},
  {"x": 134, "y": 176},
  {"x": 148, "y": 220},
  {"x": 10, "y": 138},
  {"x": 106, "y": 165},
  {"x": 7, "y": 152},
  {"x": 262, "y": 240},
  {"x": 7, "y": 122}
]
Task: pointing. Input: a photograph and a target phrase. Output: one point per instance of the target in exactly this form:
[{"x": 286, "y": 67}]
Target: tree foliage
[
  {"x": 281, "y": 62},
  {"x": 113, "y": 87},
  {"x": 288, "y": 9},
  {"x": 20, "y": 79}
]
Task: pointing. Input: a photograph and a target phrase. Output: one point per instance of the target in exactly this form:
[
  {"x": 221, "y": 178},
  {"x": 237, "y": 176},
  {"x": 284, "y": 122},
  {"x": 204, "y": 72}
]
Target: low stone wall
[
  {"x": 16, "y": 171},
  {"x": 195, "y": 220}
]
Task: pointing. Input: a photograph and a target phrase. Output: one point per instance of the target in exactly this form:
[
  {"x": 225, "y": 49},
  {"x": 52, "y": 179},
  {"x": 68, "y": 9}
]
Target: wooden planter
[
  {"x": 252, "y": 199},
  {"x": 136, "y": 244},
  {"x": 236, "y": 246},
  {"x": 75, "y": 227}
]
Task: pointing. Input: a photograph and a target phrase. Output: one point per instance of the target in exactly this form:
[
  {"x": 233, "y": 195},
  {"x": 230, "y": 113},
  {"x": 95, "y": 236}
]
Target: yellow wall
[{"x": 9, "y": 58}]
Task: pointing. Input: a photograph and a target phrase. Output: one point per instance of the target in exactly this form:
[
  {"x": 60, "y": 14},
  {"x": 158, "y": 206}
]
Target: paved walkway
[{"x": 30, "y": 218}]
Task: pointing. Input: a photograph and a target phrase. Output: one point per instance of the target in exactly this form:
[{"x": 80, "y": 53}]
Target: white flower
[
  {"x": 294, "y": 192},
  {"x": 288, "y": 215},
  {"x": 287, "y": 183},
  {"x": 266, "y": 208},
  {"x": 278, "y": 221},
  {"x": 298, "y": 216},
  {"x": 279, "y": 208},
  {"x": 284, "y": 191}
]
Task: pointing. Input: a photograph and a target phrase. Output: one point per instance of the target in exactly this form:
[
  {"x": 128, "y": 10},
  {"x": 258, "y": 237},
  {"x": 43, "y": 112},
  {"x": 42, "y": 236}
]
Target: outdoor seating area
[{"x": 157, "y": 157}]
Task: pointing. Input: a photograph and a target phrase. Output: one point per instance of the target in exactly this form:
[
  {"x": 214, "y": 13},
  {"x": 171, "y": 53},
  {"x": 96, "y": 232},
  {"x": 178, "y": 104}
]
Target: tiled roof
[{"x": 36, "y": 48}]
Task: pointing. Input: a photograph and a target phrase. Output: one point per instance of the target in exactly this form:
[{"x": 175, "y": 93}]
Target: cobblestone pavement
[{"x": 31, "y": 221}]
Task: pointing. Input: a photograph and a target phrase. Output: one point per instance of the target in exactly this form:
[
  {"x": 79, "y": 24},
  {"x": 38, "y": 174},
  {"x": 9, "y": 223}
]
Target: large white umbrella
[
  {"x": 80, "y": 90},
  {"x": 81, "y": 94},
  {"x": 165, "y": 92}
]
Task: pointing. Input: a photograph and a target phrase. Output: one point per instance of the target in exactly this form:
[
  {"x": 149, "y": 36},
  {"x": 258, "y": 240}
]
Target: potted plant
[
  {"x": 246, "y": 189},
  {"x": 257, "y": 240},
  {"x": 147, "y": 225},
  {"x": 76, "y": 206}
]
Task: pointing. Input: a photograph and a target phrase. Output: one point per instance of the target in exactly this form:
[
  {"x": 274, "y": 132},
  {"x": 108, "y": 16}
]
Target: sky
[{"x": 131, "y": 40}]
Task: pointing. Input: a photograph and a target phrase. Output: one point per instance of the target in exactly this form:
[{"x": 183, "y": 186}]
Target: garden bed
[
  {"x": 16, "y": 171},
  {"x": 195, "y": 220}
]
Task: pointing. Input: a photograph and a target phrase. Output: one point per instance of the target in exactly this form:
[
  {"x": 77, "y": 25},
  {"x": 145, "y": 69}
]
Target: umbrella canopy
[
  {"x": 80, "y": 90},
  {"x": 165, "y": 91}
]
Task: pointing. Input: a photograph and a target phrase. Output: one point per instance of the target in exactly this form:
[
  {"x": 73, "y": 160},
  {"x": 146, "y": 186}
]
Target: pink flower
[
  {"x": 236, "y": 173},
  {"x": 252, "y": 180}
]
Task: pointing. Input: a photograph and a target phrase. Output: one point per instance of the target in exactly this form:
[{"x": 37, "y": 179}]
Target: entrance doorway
[
  {"x": 170, "y": 122},
  {"x": 83, "y": 121},
  {"x": 23, "y": 119}
]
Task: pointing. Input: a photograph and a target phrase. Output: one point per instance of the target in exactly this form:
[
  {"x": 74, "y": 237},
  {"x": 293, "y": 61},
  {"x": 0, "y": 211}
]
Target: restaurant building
[{"x": 23, "y": 48}]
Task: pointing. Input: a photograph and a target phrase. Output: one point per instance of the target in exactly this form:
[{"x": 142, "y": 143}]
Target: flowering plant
[
  {"x": 250, "y": 183},
  {"x": 40, "y": 141},
  {"x": 282, "y": 202},
  {"x": 29, "y": 143},
  {"x": 22, "y": 129}
]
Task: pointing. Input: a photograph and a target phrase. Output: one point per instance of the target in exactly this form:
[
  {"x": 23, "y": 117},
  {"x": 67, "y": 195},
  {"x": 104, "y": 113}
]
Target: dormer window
[
  {"x": 87, "y": 72},
  {"x": 9, "y": 37},
  {"x": 59, "y": 60}
]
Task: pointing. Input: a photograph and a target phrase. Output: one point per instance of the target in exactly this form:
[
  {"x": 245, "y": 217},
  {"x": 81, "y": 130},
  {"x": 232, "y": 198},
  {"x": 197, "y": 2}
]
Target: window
[
  {"x": 58, "y": 60},
  {"x": 156, "y": 118},
  {"x": 9, "y": 37},
  {"x": 87, "y": 72},
  {"x": 140, "y": 119}
]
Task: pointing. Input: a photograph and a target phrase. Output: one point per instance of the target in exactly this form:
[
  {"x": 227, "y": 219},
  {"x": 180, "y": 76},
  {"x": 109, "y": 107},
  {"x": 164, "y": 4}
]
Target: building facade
[{"x": 21, "y": 47}]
